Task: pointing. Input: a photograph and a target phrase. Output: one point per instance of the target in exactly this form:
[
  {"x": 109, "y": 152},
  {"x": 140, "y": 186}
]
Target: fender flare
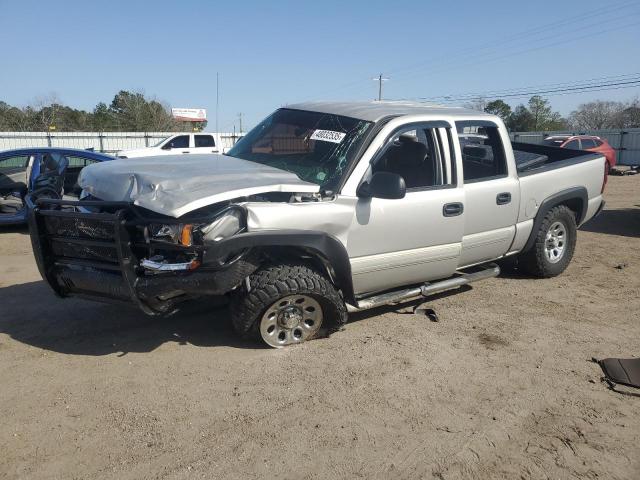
[
  {"x": 569, "y": 195},
  {"x": 327, "y": 248}
]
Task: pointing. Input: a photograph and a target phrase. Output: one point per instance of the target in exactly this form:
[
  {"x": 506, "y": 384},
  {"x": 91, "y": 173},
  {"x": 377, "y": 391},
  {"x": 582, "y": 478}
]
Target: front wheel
[
  {"x": 286, "y": 305},
  {"x": 554, "y": 244}
]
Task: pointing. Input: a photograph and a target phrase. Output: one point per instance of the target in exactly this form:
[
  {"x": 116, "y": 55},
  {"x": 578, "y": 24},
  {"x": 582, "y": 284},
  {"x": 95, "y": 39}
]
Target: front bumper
[{"x": 97, "y": 256}]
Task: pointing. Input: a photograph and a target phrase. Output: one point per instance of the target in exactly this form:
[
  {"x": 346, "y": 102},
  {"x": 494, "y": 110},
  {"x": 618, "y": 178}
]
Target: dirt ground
[{"x": 501, "y": 387}]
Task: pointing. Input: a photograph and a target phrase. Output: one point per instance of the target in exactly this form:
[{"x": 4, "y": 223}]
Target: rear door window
[
  {"x": 483, "y": 156},
  {"x": 204, "y": 141},
  {"x": 573, "y": 145},
  {"x": 587, "y": 143},
  {"x": 79, "y": 161}
]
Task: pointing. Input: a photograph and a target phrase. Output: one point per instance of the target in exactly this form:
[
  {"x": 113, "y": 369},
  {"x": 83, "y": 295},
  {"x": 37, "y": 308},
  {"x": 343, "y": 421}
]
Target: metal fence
[
  {"x": 626, "y": 142},
  {"x": 107, "y": 142}
]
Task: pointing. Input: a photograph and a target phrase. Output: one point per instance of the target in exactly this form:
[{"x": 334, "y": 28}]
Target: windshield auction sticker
[{"x": 328, "y": 136}]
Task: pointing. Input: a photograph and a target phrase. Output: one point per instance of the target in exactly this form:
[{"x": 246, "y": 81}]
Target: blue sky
[{"x": 272, "y": 53}]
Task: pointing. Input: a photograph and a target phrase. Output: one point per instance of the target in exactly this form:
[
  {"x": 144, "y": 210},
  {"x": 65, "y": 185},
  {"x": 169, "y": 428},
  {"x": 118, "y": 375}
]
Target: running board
[{"x": 490, "y": 271}]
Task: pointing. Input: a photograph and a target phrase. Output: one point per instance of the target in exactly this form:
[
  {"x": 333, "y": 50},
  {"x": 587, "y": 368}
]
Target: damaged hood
[{"x": 174, "y": 185}]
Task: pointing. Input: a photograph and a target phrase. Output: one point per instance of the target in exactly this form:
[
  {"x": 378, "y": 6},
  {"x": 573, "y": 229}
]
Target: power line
[
  {"x": 485, "y": 58},
  {"x": 573, "y": 83},
  {"x": 635, "y": 82},
  {"x": 527, "y": 35}
]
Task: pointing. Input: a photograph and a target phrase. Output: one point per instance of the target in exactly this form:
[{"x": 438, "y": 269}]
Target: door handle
[
  {"x": 503, "y": 198},
  {"x": 185, "y": 152},
  {"x": 452, "y": 209}
]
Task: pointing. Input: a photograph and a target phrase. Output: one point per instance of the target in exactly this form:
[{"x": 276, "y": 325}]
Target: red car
[{"x": 584, "y": 142}]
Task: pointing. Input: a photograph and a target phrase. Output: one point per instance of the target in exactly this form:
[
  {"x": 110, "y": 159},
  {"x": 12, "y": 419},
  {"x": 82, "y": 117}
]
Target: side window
[
  {"x": 79, "y": 161},
  {"x": 416, "y": 154},
  {"x": 14, "y": 164},
  {"x": 180, "y": 142},
  {"x": 204, "y": 141},
  {"x": 13, "y": 172},
  {"x": 483, "y": 156},
  {"x": 598, "y": 142},
  {"x": 587, "y": 143},
  {"x": 573, "y": 145}
]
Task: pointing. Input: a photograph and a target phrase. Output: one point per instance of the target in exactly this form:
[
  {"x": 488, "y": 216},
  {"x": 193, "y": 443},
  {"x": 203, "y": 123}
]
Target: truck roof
[{"x": 377, "y": 110}]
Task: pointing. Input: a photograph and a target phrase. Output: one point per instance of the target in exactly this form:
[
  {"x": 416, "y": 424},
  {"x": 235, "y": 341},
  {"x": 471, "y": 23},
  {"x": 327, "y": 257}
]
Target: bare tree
[
  {"x": 629, "y": 116},
  {"x": 45, "y": 111},
  {"x": 478, "y": 104},
  {"x": 597, "y": 115}
]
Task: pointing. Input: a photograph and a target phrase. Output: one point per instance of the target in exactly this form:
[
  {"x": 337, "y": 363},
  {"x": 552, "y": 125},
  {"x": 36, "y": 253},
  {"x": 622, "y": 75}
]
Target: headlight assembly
[{"x": 178, "y": 233}]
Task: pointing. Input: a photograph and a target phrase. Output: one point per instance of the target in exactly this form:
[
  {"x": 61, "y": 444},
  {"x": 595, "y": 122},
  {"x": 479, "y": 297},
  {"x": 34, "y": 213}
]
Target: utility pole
[
  {"x": 217, "y": 99},
  {"x": 240, "y": 118},
  {"x": 380, "y": 79}
]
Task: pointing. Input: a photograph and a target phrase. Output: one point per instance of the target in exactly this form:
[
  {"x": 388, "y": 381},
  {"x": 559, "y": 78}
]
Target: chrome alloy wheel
[
  {"x": 289, "y": 320},
  {"x": 555, "y": 242}
]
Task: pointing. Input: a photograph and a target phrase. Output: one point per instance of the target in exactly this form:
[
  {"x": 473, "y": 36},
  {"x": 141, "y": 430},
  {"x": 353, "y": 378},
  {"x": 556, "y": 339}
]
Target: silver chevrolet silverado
[{"x": 320, "y": 210}]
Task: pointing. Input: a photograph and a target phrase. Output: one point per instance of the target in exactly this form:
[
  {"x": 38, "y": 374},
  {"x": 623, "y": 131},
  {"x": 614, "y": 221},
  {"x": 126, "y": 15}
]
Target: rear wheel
[
  {"x": 286, "y": 305},
  {"x": 554, "y": 244}
]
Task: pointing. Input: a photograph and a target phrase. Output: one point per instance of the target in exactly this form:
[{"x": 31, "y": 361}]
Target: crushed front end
[{"x": 117, "y": 252}]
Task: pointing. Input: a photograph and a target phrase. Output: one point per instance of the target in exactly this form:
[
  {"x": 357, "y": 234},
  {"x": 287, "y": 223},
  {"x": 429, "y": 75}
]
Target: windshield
[
  {"x": 317, "y": 147},
  {"x": 158, "y": 144}
]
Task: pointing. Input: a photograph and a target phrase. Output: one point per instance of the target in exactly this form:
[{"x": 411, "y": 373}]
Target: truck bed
[{"x": 531, "y": 158}]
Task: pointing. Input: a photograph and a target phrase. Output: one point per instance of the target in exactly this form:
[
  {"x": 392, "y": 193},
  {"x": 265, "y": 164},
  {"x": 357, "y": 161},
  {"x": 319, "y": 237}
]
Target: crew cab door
[
  {"x": 417, "y": 238},
  {"x": 204, "y": 143},
  {"x": 177, "y": 145},
  {"x": 492, "y": 192}
]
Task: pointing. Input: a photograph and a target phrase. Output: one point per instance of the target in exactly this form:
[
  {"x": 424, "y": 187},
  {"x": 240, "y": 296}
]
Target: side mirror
[
  {"x": 167, "y": 146},
  {"x": 386, "y": 185}
]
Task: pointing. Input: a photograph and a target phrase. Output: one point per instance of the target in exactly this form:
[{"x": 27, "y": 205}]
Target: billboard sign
[{"x": 189, "y": 114}]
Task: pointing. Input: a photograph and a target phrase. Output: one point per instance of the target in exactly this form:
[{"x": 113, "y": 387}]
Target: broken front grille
[
  {"x": 80, "y": 227},
  {"x": 72, "y": 236}
]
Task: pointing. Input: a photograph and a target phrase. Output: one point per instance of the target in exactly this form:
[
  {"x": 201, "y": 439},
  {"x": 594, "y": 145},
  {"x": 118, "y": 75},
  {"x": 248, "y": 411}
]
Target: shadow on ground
[
  {"x": 31, "y": 314},
  {"x": 22, "y": 229},
  {"x": 624, "y": 222}
]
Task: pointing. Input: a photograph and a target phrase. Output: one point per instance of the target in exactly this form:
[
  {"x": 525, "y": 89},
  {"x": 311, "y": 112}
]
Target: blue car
[{"x": 51, "y": 170}]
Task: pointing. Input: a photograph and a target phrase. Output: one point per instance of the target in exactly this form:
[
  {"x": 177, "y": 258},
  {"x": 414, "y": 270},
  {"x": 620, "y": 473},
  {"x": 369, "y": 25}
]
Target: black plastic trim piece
[
  {"x": 452, "y": 209},
  {"x": 575, "y": 193},
  {"x": 329, "y": 249}
]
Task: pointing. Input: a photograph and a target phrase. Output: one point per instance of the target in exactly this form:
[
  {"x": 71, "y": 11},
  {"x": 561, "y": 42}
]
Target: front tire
[
  {"x": 287, "y": 305},
  {"x": 554, "y": 244}
]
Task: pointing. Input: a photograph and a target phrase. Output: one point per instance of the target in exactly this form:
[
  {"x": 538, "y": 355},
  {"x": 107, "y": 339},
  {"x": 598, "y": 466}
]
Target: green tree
[
  {"x": 133, "y": 112},
  {"x": 499, "y": 108},
  {"x": 101, "y": 119},
  {"x": 544, "y": 118},
  {"x": 521, "y": 120}
]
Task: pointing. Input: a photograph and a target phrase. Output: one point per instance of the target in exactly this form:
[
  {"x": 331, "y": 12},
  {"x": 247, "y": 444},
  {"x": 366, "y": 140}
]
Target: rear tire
[
  {"x": 287, "y": 304},
  {"x": 554, "y": 244}
]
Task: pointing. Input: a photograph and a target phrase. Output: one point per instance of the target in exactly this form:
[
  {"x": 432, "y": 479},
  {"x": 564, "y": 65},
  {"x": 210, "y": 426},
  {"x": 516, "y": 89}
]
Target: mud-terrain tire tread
[
  {"x": 534, "y": 262},
  {"x": 276, "y": 281}
]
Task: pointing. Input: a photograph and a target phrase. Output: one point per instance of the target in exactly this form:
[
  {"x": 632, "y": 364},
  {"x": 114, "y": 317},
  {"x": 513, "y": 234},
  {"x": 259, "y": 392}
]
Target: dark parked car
[{"x": 53, "y": 171}]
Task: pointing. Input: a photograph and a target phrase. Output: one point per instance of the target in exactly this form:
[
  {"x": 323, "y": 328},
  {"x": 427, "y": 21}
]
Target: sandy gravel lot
[{"x": 501, "y": 387}]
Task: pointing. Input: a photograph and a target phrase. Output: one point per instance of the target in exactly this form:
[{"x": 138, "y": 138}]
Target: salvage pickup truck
[{"x": 320, "y": 210}]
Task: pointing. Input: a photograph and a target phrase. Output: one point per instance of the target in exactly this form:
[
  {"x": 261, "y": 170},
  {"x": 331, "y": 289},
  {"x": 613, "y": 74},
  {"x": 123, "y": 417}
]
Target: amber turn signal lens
[{"x": 186, "y": 236}]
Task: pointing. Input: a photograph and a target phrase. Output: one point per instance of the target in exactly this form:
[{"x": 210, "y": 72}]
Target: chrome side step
[{"x": 491, "y": 270}]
